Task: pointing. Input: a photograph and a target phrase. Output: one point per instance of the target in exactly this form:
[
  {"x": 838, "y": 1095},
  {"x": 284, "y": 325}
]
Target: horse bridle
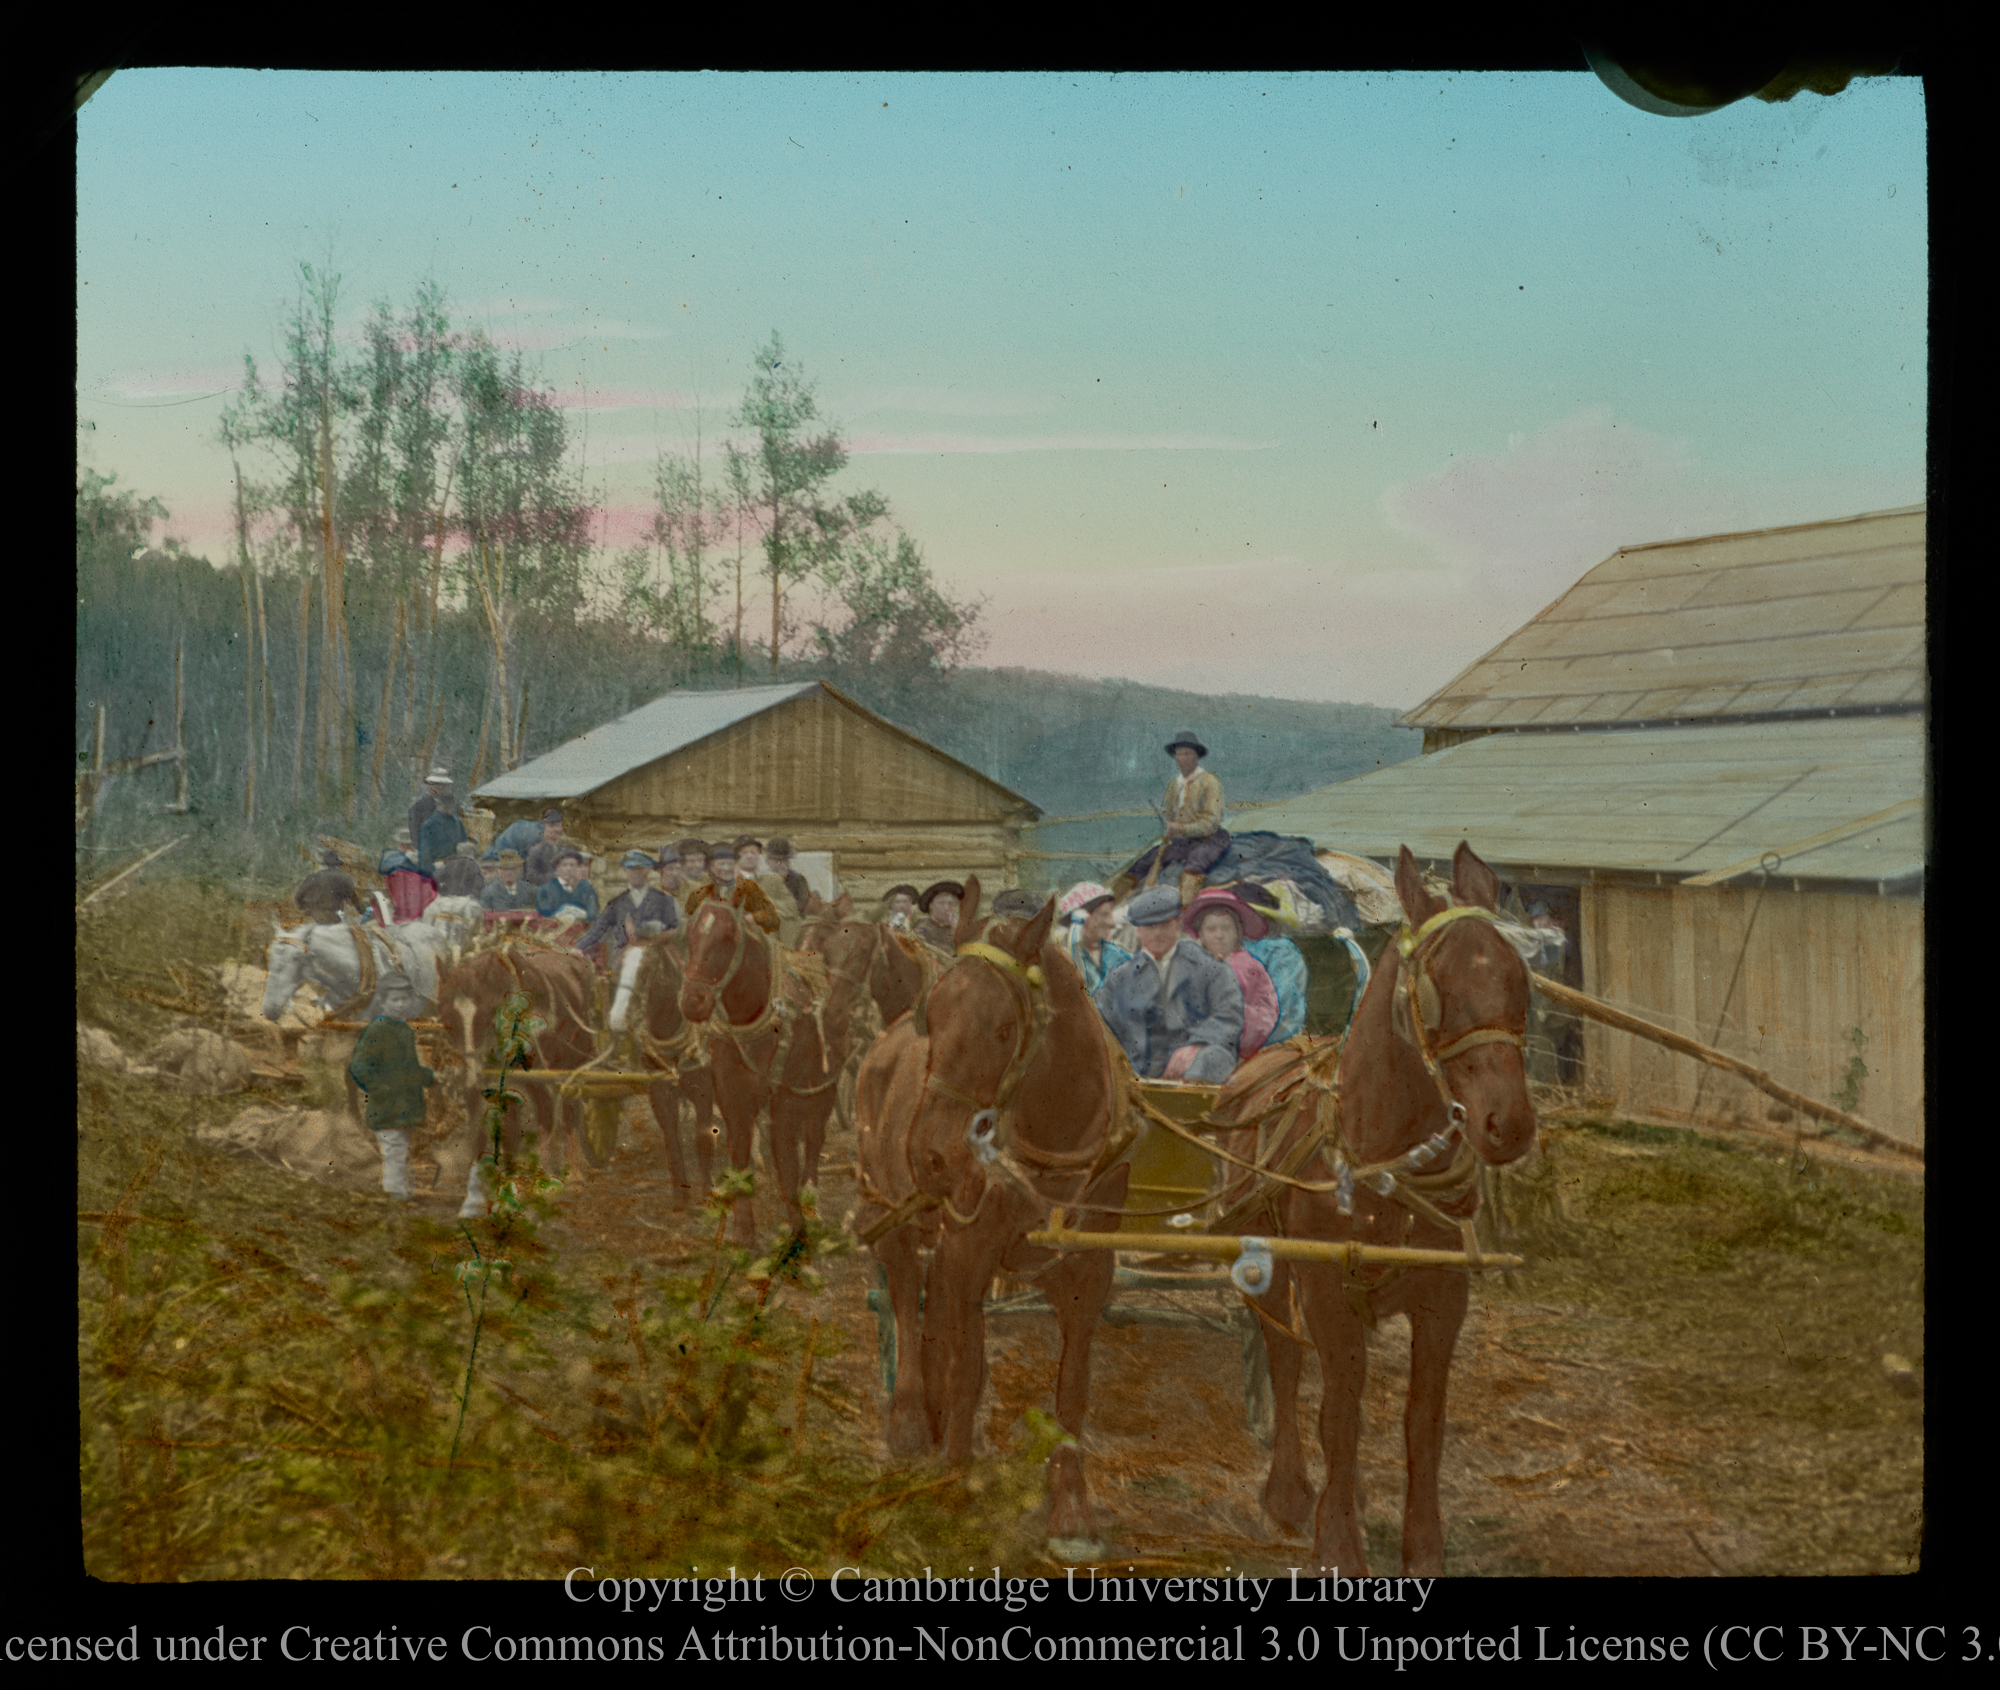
[{"x": 1419, "y": 1003}]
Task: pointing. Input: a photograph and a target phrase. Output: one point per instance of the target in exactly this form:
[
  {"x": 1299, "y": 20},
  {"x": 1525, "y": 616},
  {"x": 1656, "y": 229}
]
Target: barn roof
[
  {"x": 1826, "y": 616},
  {"x": 674, "y": 722},
  {"x": 1838, "y": 799}
]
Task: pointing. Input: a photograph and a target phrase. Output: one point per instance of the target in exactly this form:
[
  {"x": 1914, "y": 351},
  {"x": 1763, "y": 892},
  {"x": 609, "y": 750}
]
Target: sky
[{"x": 1310, "y": 386}]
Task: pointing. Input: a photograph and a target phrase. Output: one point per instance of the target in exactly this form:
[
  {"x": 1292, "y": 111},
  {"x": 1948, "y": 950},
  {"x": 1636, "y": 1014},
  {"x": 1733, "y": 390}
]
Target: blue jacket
[
  {"x": 551, "y": 895},
  {"x": 523, "y": 836},
  {"x": 441, "y": 837},
  {"x": 1205, "y": 1007},
  {"x": 650, "y": 905},
  {"x": 1287, "y": 969},
  {"x": 1094, "y": 973}
]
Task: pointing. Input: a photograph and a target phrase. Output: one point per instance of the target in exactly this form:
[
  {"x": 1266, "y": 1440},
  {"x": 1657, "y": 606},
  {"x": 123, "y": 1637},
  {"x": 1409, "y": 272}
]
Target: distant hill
[{"x": 1078, "y": 747}]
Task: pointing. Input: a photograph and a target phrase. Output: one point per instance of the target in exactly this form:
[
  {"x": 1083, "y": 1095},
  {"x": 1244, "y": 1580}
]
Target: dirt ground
[{"x": 1553, "y": 1464}]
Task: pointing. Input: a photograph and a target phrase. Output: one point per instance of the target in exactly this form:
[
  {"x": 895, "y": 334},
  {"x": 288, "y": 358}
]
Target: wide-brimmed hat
[
  {"x": 510, "y": 858},
  {"x": 694, "y": 847},
  {"x": 904, "y": 887},
  {"x": 638, "y": 859},
  {"x": 1018, "y": 901},
  {"x": 952, "y": 886},
  {"x": 439, "y": 776},
  {"x": 744, "y": 842},
  {"x": 1153, "y": 906},
  {"x": 1222, "y": 898},
  {"x": 1081, "y": 897},
  {"x": 1186, "y": 737}
]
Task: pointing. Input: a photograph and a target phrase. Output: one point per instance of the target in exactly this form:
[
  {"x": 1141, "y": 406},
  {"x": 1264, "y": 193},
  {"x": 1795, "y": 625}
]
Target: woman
[
  {"x": 1218, "y": 920},
  {"x": 1085, "y": 914}
]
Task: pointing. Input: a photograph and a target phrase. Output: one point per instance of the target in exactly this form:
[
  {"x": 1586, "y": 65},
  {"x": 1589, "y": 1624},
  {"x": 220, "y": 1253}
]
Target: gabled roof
[
  {"x": 1837, "y": 800},
  {"x": 674, "y": 722},
  {"x": 1825, "y": 616}
]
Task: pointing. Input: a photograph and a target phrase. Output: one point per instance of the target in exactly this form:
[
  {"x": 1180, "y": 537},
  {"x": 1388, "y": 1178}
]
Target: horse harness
[{"x": 775, "y": 1013}]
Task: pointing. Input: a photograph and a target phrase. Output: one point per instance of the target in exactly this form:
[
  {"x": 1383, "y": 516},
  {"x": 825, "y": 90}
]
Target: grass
[{"x": 1759, "y": 1293}]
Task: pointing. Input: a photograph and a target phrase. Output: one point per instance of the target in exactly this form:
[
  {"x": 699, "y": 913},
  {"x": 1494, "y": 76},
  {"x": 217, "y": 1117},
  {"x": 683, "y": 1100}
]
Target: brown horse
[
  {"x": 559, "y": 987},
  {"x": 1013, "y": 1115},
  {"x": 1430, "y": 1084},
  {"x": 767, "y": 1046},
  {"x": 646, "y": 1001}
]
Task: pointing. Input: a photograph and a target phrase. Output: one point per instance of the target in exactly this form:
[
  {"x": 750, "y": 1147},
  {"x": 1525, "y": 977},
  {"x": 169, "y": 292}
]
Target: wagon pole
[
  {"x": 1625, "y": 1021},
  {"x": 1225, "y": 1247}
]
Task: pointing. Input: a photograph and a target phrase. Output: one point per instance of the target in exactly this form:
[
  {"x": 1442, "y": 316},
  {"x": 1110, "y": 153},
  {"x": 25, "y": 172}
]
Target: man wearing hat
[
  {"x": 441, "y": 835},
  {"x": 523, "y": 835},
  {"x": 538, "y": 863},
  {"x": 750, "y": 867},
  {"x": 386, "y": 1067},
  {"x": 729, "y": 887},
  {"x": 1084, "y": 917},
  {"x": 437, "y": 784},
  {"x": 693, "y": 854},
  {"x": 322, "y": 892},
  {"x": 637, "y": 905},
  {"x": 411, "y": 891},
  {"x": 458, "y": 875},
  {"x": 508, "y": 891},
  {"x": 567, "y": 889},
  {"x": 1192, "y": 817},
  {"x": 1176, "y": 1011},
  {"x": 778, "y": 864},
  {"x": 899, "y": 907},
  {"x": 939, "y": 904}
]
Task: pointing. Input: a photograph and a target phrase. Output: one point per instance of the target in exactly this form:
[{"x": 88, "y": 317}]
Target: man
[
  {"x": 508, "y": 891},
  {"x": 411, "y": 891},
  {"x": 524, "y": 835},
  {"x": 321, "y": 893},
  {"x": 539, "y": 863},
  {"x": 899, "y": 908},
  {"x": 437, "y": 784},
  {"x": 694, "y": 866},
  {"x": 567, "y": 889},
  {"x": 778, "y": 862},
  {"x": 636, "y": 905},
  {"x": 750, "y": 870},
  {"x": 730, "y": 888},
  {"x": 458, "y": 875},
  {"x": 1086, "y": 914},
  {"x": 441, "y": 835},
  {"x": 1177, "y": 1012},
  {"x": 939, "y": 905},
  {"x": 1192, "y": 815},
  {"x": 386, "y": 1068}
]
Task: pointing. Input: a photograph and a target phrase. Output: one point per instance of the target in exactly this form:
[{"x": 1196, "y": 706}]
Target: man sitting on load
[
  {"x": 321, "y": 893},
  {"x": 727, "y": 886},
  {"x": 1177, "y": 1011},
  {"x": 522, "y": 836},
  {"x": 568, "y": 890},
  {"x": 1195, "y": 837},
  {"x": 636, "y": 906}
]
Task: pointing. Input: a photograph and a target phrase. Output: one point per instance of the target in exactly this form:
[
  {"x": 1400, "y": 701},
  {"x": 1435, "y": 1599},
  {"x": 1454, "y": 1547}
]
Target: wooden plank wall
[{"x": 1813, "y": 967}]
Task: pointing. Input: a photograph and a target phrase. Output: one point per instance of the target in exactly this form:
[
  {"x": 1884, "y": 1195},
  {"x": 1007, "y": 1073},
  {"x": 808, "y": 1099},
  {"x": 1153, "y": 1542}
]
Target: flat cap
[
  {"x": 551, "y": 816},
  {"x": 638, "y": 859},
  {"x": 1154, "y": 905}
]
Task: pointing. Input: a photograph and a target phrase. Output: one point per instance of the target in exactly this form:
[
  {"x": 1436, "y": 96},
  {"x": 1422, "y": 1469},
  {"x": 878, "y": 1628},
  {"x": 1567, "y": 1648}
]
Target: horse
[
  {"x": 766, "y": 1047},
  {"x": 362, "y": 972},
  {"x": 1429, "y": 1084},
  {"x": 1003, "y": 1105},
  {"x": 560, "y": 987},
  {"x": 647, "y": 1001}
]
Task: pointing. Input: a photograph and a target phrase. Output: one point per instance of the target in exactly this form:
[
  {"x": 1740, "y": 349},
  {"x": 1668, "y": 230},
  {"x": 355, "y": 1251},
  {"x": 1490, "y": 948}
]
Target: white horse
[{"x": 405, "y": 964}]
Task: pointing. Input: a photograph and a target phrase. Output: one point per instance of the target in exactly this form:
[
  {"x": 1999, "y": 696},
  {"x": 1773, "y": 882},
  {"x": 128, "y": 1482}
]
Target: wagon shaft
[{"x": 1224, "y": 1248}]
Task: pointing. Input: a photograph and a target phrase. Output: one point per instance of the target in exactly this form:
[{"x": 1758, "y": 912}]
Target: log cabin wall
[
  {"x": 890, "y": 809},
  {"x": 1808, "y": 968}
]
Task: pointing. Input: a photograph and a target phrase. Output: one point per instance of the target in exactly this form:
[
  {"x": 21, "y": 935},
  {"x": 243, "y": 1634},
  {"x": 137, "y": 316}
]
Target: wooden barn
[
  {"x": 804, "y": 760},
  {"x": 1707, "y": 761}
]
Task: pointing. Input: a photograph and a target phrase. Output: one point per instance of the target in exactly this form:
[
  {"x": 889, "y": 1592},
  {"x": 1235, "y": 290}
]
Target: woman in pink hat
[
  {"x": 1219, "y": 921},
  {"x": 1085, "y": 917}
]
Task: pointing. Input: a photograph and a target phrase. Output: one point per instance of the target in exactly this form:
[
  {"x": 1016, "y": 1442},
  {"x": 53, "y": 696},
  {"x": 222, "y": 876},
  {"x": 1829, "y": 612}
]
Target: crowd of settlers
[{"x": 1189, "y": 978}]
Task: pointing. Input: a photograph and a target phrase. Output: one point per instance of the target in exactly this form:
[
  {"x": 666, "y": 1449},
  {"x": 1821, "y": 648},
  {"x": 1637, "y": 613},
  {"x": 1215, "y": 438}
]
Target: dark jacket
[
  {"x": 650, "y": 905},
  {"x": 421, "y": 811},
  {"x": 385, "y": 1066},
  {"x": 551, "y": 895},
  {"x": 441, "y": 837},
  {"x": 495, "y": 896},
  {"x": 540, "y": 866},
  {"x": 460, "y": 877},
  {"x": 322, "y": 892}
]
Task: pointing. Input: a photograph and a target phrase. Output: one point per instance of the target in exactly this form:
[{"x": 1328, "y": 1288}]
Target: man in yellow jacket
[{"x": 1192, "y": 816}]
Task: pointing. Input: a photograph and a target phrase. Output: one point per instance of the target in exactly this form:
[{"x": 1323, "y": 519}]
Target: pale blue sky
[{"x": 1305, "y": 385}]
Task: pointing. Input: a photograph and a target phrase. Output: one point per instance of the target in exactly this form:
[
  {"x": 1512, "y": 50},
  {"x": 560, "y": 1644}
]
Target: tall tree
[{"x": 788, "y": 470}]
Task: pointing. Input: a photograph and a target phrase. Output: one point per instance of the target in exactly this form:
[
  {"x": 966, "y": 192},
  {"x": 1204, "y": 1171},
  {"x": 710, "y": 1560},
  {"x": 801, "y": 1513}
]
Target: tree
[
  {"x": 785, "y": 473},
  {"x": 891, "y": 629},
  {"x": 667, "y": 582}
]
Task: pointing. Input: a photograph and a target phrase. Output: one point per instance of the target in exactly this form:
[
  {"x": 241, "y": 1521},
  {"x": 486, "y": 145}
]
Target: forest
[{"x": 415, "y": 579}]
